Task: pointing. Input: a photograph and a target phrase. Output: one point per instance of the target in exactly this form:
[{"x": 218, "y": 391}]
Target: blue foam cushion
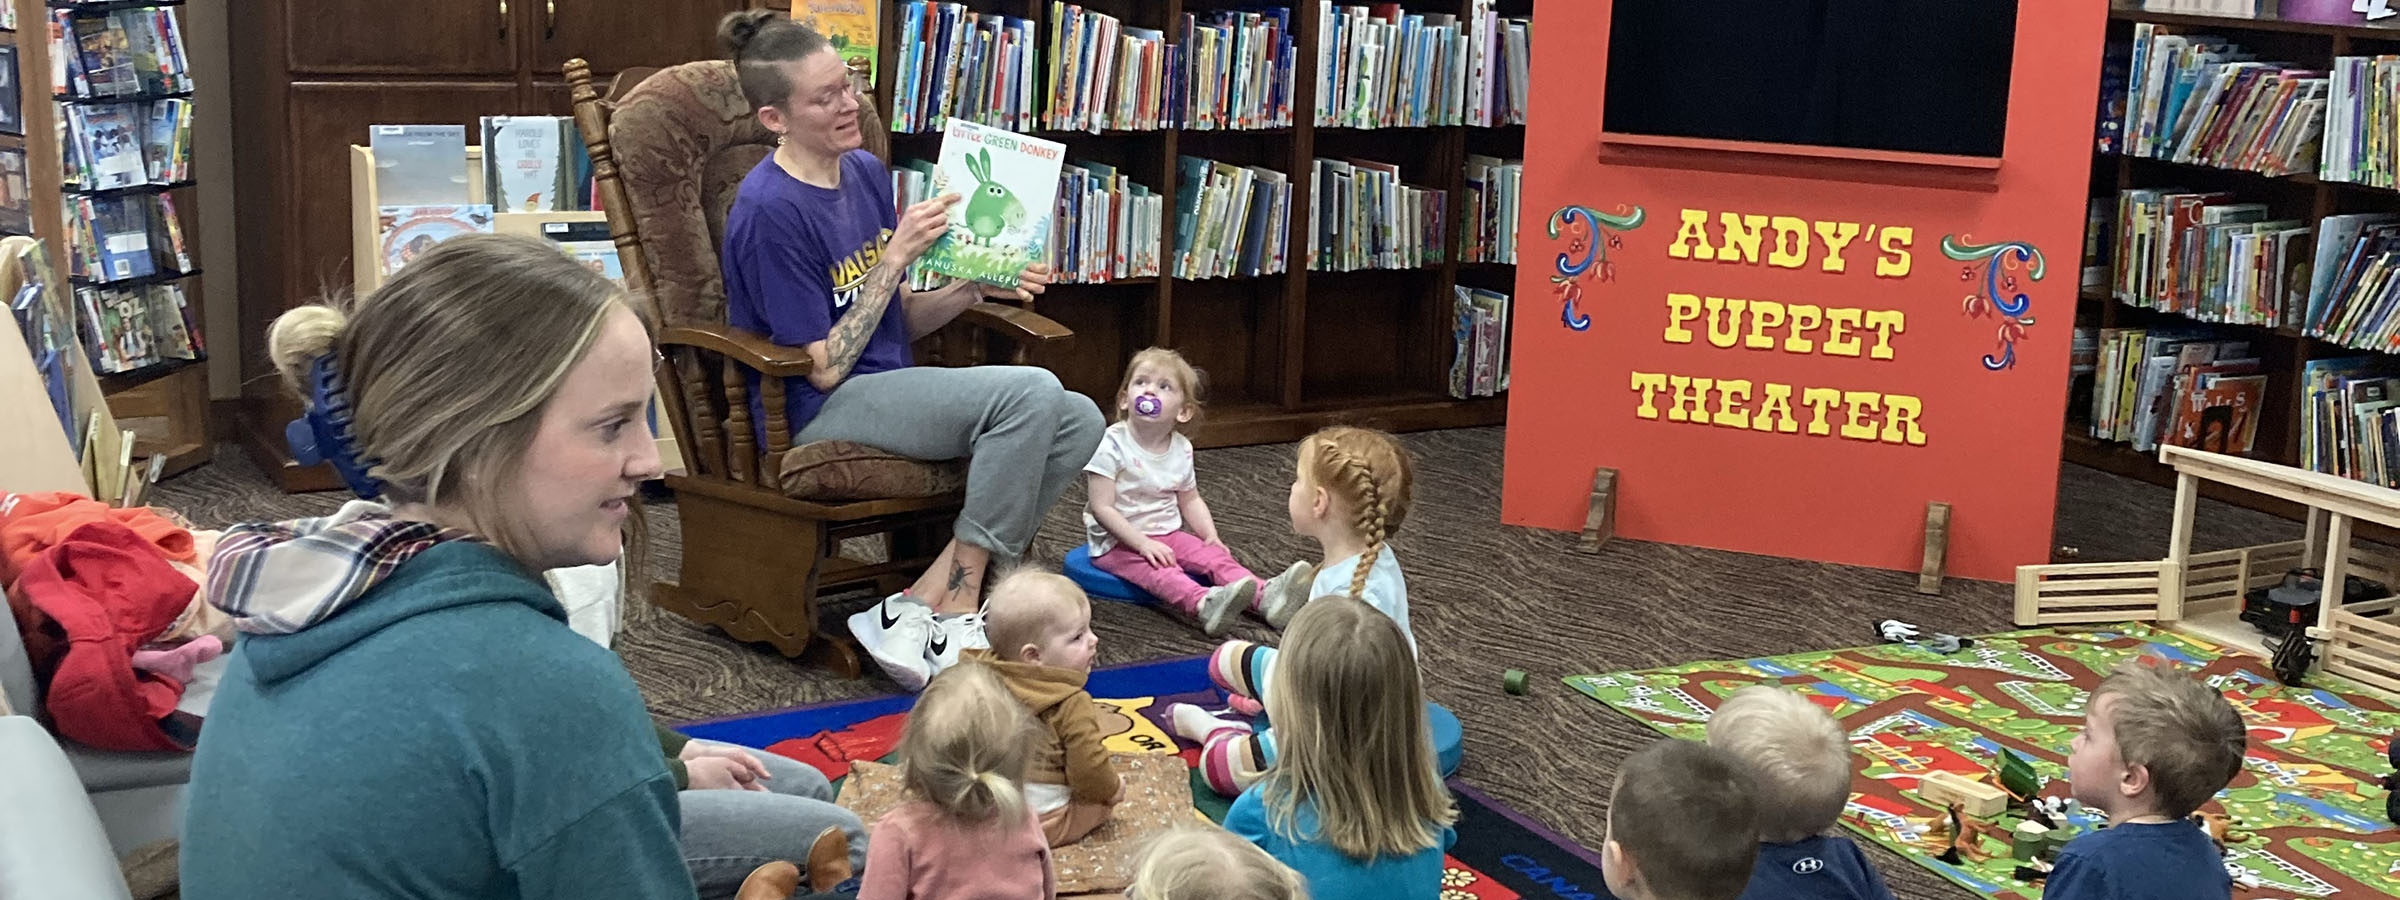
[
  {"x": 1448, "y": 737},
  {"x": 1079, "y": 569}
]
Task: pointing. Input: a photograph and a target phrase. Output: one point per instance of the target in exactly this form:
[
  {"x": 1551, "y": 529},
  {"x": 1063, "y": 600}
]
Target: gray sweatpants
[
  {"x": 1024, "y": 435},
  {"x": 727, "y": 833}
]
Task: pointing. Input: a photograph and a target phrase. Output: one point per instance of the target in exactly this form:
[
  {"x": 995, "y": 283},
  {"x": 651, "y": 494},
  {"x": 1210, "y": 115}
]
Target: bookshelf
[
  {"x": 166, "y": 403},
  {"x": 1289, "y": 352},
  {"x": 2284, "y": 351}
]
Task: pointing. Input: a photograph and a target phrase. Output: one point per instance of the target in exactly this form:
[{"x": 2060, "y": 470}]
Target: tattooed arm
[{"x": 832, "y": 358}]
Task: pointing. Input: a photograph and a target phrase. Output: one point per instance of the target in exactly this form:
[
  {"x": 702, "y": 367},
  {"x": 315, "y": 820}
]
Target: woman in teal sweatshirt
[{"x": 406, "y": 713}]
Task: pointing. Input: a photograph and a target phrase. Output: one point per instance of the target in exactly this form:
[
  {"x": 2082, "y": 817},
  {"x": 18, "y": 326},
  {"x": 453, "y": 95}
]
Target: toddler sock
[{"x": 1196, "y": 725}]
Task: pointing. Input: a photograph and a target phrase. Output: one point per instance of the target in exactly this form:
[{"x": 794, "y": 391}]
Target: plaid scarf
[{"x": 282, "y": 577}]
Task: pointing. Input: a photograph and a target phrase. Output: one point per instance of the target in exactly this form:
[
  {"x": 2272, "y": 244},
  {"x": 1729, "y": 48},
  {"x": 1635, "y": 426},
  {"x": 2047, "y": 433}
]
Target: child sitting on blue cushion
[
  {"x": 1146, "y": 521},
  {"x": 2155, "y": 745},
  {"x": 1800, "y": 761}
]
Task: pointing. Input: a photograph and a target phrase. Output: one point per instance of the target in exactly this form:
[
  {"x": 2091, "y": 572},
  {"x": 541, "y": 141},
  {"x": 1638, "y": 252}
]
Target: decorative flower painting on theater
[{"x": 1590, "y": 234}]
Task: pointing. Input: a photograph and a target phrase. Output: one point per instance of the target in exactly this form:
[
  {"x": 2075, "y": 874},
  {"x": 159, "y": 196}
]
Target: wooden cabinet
[
  {"x": 416, "y": 38},
  {"x": 311, "y": 75},
  {"x": 614, "y": 35}
]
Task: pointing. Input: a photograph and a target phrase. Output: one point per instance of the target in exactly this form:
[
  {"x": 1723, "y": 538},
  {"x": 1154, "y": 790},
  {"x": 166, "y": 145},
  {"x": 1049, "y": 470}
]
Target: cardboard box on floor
[{"x": 35, "y": 453}]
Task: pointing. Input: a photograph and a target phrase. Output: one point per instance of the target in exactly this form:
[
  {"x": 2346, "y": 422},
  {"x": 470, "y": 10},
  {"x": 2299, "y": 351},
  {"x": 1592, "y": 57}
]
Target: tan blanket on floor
[{"x": 1158, "y": 794}]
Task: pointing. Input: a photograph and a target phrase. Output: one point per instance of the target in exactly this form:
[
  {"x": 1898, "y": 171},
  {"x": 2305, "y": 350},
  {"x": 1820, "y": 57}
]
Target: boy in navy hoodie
[
  {"x": 1801, "y": 762},
  {"x": 2155, "y": 745}
]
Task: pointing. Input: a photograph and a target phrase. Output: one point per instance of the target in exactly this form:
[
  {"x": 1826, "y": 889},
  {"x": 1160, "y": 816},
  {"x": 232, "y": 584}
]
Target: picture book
[
  {"x": 113, "y": 138},
  {"x": 107, "y": 59},
  {"x": 589, "y": 243},
  {"x": 1008, "y": 189},
  {"x": 525, "y": 168},
  {"x": 848, "y": 24},
  {"x": 419, "y": 165},
  {"x": 124, "y": 235},
  {"x": 406, "y": 232},
  {"x": 16, "y": 199}
]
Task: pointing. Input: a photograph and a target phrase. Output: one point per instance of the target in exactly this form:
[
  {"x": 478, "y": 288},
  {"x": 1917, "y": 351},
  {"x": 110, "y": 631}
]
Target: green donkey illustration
[{"x": 994, "y": 208}]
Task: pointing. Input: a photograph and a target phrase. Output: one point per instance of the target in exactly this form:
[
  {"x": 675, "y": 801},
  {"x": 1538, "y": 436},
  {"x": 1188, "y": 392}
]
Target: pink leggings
[{"x": 1174, "y": 585}]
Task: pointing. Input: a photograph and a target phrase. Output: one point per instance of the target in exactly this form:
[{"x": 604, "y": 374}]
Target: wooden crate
[{"x": 2093, "y": 592}]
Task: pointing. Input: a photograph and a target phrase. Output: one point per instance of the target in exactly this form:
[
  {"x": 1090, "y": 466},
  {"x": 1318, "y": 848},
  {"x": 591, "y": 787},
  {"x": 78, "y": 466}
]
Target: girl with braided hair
[{"x": 1350, "y": 494}]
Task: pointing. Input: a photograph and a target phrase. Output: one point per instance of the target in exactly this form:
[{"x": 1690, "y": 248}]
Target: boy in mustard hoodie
[{"x": 1040, "y": 628}]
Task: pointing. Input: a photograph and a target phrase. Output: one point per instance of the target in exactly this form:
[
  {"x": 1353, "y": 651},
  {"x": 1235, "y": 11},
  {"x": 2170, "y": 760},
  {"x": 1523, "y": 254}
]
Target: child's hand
[
  {"x": 722, "y": 773},
  {"x": 700, "y": 749},
  {"x": 1156, "y": 552}
]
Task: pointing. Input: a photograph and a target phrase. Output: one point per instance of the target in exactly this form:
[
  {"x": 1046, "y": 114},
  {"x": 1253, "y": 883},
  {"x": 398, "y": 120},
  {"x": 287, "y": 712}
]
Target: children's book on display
[{"x": 1008, "y": 188}]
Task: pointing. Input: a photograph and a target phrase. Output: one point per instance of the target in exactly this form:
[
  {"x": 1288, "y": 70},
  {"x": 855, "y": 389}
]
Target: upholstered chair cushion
[{"x": 840, "y": 471}]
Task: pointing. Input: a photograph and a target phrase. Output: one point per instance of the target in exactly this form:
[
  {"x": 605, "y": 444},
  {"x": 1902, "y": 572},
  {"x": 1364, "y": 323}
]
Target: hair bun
[
  {"x": 301, "y": 335},
  {"x": 738, "y": 29}
]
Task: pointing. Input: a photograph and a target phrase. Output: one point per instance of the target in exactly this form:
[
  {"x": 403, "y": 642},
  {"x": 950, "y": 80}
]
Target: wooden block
[
  {"x": 1937, "y": 547},
  {"x": 1973, "y": 797},
  {"x": 1600, "y": 523}
]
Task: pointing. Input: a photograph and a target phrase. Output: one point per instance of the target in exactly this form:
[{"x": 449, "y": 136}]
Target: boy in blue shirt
[
  {"x": 1801, "y": 762},
  {"x": 2155, "y": 745},
  {"x": 1682, "y": 825}
]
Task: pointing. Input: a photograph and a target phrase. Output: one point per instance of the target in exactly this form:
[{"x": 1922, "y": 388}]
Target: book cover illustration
[
  {"x": 16, "y": 200},
  {"x": 591, "y": 244},
  {"x": 420, "y": 165},
  {"x": 849, "y": 25},
  {"x": 1008, "y": 184},
  {"x": 408, "y": 231},
  {"x": 124, "y": 234},
  {"x": 116, "y": 148},
  {"x": 524, "y": 163},
  {"x": 107, "y": 59}
]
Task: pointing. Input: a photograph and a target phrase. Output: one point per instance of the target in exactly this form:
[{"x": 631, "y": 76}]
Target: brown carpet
[{"x": 1484, "y": 598}]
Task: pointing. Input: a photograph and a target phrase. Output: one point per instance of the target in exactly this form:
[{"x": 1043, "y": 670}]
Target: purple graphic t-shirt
[{"x": 795, "y": 256}]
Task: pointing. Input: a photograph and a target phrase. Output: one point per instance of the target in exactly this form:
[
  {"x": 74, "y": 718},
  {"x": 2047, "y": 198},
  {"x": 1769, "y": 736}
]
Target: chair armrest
[
  {"x": 748, "y": 348},
  {"x": 1019, "y": 325}
]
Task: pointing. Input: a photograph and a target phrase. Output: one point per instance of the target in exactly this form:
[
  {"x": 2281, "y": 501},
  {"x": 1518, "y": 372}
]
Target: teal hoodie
[{"x": 440, "y": 734}]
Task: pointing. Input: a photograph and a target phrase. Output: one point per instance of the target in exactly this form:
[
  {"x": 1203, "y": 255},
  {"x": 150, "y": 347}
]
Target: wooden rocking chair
[{"x": 762, "y": 526}]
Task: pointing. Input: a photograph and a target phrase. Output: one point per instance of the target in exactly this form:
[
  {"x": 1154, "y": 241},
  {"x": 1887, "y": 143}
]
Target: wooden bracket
[
  {"x": 1937, "y": 547},
  {"x": 1600, "y": 523}
]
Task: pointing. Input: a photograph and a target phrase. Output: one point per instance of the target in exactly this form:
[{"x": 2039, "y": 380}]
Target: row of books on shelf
[
  {"x": 2203, "y": 255},
  {"x": 1494, "y": 188},
  {"x": 1479, "y": 336},
  {"x": 2350, "y": 419},
  {"x": 1381, "y": 66},
  {"x": 124, "y": 237},
  {"x": 1108, "y": 226},
  {"x": 130, "y": 328},
  {"x": 117, "y": 145},
  {"x": 2204, "y": 100},
  {"x": 126, "y": 52},
  {"x": 1230, "y": 220},
  {"x": 2185, "y": 387},
  {"x": 2362, "y": 133},
  {"x": 1366, "y": 218},
  {"x": 1224, "y": 69},
  {"x": 2359, "y": 282}
]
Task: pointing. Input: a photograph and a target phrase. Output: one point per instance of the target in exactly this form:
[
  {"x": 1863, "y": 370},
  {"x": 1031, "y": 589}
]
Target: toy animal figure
[{"x": 994, "y": 208}]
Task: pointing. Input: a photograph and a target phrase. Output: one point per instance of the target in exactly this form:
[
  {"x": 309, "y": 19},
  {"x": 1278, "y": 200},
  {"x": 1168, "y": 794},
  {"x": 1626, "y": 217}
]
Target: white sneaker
[
  {"x": 898, "y": 634},
  {"x": 1286, "y": 593},
  {"x": 952, "y": 635},
  {"x": 1224, "y": 603}
]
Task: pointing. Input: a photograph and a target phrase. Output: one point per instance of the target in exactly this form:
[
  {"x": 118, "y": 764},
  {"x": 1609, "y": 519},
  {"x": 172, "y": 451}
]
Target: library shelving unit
[
  {"x": 166, "y": 404},
  {"x": 1284, "y": 353},
  {"x": 2283, "y": 351}
]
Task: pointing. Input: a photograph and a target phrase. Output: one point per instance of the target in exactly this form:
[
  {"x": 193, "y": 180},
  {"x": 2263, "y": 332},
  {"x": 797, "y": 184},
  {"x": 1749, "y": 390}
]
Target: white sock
[{"x": 1195, "y": 724}]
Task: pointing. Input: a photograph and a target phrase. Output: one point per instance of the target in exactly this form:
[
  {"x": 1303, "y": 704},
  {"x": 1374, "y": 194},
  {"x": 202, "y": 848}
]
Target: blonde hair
[
  {"x": 1191, "y": 380},
  {"x": 964, "y": 747},
  {"x": 1369, "y": 472},
  {"x": 1797, "y": 754},
  {"x": 1683, "y": 812},
  {"x": 449, "y": 365},
  {"x": 1351, "y": 736},
  {"x": 1190, "y": 862},
  {"x": 1027, "y": 605},
  {"x": 2181, "y": 730}
]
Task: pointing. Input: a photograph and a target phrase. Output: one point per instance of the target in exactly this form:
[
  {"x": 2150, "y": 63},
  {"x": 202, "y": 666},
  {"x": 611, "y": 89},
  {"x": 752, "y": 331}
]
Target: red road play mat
[{"x": 2308, "y": 798}]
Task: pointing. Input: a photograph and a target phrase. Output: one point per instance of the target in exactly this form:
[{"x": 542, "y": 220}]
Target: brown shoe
[
  {"x": 773, "y": 881},
  {"x": 828, "y": 859}
]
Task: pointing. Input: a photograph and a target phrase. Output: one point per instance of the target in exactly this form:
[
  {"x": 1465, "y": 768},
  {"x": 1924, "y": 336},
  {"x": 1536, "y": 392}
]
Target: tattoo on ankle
[{"x": 959, "y": 573}]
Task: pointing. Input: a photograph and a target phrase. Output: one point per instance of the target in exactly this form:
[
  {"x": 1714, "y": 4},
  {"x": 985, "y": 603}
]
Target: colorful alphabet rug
[
  {"x": 1500, "y": 854},
  {"x": 2306, "y": 814}
]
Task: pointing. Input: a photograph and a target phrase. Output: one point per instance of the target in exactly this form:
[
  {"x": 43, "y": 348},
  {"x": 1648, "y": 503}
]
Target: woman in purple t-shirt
[{"x": 814, "y": 257}]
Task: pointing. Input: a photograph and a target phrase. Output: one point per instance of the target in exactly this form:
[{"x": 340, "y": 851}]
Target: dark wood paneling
[
  {"x": 325, "y": 119},
  {"x": 416, "y": 37},
  {"x": 614, "y": 35}
]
